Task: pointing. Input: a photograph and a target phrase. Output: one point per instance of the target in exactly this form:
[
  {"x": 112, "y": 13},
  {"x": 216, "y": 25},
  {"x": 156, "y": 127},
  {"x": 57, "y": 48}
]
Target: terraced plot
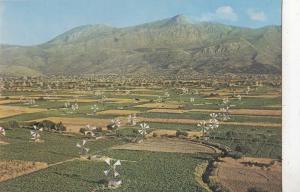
[
  {"x": 124, "y": 100},
  {"x": 164, "y": 161},
  {"x": 8, "y": 101},
  {"x": 160, "y": 105},
  {"x": 243, "y": 174},
  {"x": 117, "y": 112},
  {"x": 74, "y": 124},
  {"x": 168, "y": 145},
  {"x": 194, "y": 122},
  {"x": 159, "y": 132},
  {"x": 10, "y": 169},
  {"x": 7, "y": 111},
  {"x": 256, "y": 112}
]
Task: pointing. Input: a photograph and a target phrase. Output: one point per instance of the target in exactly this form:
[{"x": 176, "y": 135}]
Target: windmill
[
  {"x": 94, "y": 108},
  {"x": 248, "y": 90},
  {"x": 21, "y": 99},
  {"x": 213, "y": 123},
  {"x": 83, "y": 149},
  {"x": 225, "y": 100},
  {"x": 224, "y": 114},
  {"x": 116, "y": 123},
  {"x": 203, "y": 126},
  {"x": 224, "y": 110},
  {"x": 167, "y": 94},
  {"x": 2, "y": 131},
  {"x": 67, "y": 104},
  {"x": 192, "y": 99},
  {"x": 184, "y": 91},
  {"x": 143, "y": 129},
  {"x": 35, "y": 134},
  {"x": 101, "y": 99},
  {"x": 112, "y": 174},
  {"x": 209, "y": 125},
  {"x": 32, "y": 102},
  {"x": 75, "y": 107},
  {"x": 132, "y": 119},
  {"x": 98, "y": 93}
]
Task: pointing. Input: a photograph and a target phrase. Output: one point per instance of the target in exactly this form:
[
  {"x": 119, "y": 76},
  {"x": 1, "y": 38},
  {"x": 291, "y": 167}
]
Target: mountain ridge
[{"x": 172, "y": 46}]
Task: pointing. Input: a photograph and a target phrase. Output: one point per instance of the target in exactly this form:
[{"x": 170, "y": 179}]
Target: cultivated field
[
  {"x": 7, "y": 111},
  {"x": 74, "y": 124},
  {"x": 168, "y": 145},
  {"x": 246, "y": 173},
  {"x": 117, "y": 112},
  {"x": 172, "y": 154},
  {"x": 10, "y": 169}
]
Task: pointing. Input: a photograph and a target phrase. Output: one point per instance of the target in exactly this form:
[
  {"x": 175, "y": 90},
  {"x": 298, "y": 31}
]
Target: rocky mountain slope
[{"x": 170, "y": 46}]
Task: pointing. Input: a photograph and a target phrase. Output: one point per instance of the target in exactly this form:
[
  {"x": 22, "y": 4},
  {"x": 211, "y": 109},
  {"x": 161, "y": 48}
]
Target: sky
[{"x": 31, "y": 22}]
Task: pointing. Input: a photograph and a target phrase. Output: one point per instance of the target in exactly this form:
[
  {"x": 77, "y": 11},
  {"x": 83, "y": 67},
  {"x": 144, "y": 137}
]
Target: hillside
[{"x": 171, "y": 45}]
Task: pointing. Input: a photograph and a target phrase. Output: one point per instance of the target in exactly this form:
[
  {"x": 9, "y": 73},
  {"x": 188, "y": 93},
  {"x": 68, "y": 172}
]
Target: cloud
[
  {"x": 255, "y": 15},
  {"x": 225, "y": 13}
]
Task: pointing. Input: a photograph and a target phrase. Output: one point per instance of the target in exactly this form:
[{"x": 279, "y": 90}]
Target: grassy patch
[{"x": 152, "y": 171}]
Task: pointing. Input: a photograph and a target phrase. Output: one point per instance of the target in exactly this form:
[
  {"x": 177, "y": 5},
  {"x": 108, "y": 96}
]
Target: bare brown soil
[
  {"x": 168, "y": 145},
  {"x": 74, "y": 124},
  {"x": 79, "y": 100},
  {"x": 10, "y": 169},
  {"x": 194, "y": 121},
  {"x": 175, "y": 111},
  {"x": 243, "y": 174},
  {"x": 7, "y": 111},
  {"x": 256, "y": 112},
  {"x": 124, "y": 100},
  {"x": 8, "y": 101},
  {"x": 160, "y": 105},
  {"x": 3, "y": 143},
  {"x": 117, "y": 112}
]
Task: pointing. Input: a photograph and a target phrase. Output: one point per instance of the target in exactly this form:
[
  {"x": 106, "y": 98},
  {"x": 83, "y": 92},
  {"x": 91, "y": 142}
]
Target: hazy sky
[{"x": 28, "y": 22}]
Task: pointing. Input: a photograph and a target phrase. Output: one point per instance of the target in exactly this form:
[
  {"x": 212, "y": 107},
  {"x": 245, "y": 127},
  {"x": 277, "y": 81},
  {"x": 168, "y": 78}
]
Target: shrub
[
  {"x": 13, "y": 124},
  {"x": 60, "y": 127},
  {"x": 279, "y": 157},
  {"x": 49, "y": 125},
  {"x": 111, "y": 127},
  {"x": 41, "y": 99},
  {"x": 98, "y": 129},
  {"x": 164, "y": 135},
  {"x": 82, "y": 130},
  {"x": 243, "y": 149},
  {"x": 232, "y": 134},
  {"x": 213, "y": 95},
  {"x": 181, "y": 133},
  {"x": 235, "y": 154}
]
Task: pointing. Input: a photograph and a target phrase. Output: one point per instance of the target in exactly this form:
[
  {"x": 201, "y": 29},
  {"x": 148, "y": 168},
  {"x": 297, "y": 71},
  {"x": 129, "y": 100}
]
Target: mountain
[{"x": 168, "y": 46}]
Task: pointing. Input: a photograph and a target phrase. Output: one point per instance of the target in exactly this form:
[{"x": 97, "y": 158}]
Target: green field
[
  {"x": 143, "y": 170},
  {"x": 149, "y": 171}
]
